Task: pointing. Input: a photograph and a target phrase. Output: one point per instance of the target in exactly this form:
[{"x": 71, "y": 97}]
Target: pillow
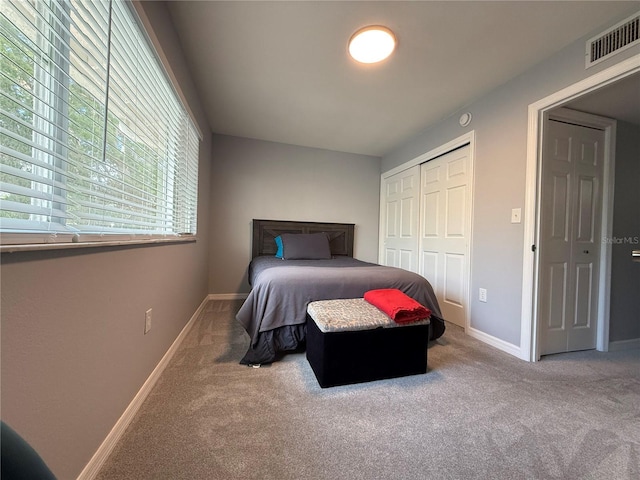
[
  {"x": 279, "y": 253},
  {"x": 305, "y": 246}
]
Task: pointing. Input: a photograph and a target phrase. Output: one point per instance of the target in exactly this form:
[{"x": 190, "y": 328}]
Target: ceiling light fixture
[{"x": 372, "y": 44}]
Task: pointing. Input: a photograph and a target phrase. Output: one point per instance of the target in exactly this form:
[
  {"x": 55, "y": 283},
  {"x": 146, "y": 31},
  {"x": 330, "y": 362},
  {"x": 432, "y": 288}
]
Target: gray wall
[
  {"x": 500, "y": 123},
  {"x": 73, "y": 349},
  {"x": 257, "y": 179},
  {"x": 625, "y": 274}
]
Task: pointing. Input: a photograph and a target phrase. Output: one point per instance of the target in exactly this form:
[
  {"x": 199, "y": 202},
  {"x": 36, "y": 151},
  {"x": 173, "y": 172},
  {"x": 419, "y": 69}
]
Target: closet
[{"x": 426, "y": 226}]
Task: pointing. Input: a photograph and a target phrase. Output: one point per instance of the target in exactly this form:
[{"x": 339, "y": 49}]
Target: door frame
[
  {"x": 529, "y": 337},
  {"x": 465, "y": 139}
]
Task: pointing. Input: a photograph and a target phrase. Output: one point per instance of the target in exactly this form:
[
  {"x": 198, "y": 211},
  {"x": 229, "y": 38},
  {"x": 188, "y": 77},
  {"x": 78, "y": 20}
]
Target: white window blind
[{"x": 95, "y": 143}]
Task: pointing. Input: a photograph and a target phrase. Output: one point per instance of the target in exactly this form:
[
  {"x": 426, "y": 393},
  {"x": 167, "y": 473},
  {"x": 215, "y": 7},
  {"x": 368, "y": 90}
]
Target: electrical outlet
[
  {"x": 147, "y": 321},
  {"x": 483, "y": 295},
  {"x": 516, "y": 215}
]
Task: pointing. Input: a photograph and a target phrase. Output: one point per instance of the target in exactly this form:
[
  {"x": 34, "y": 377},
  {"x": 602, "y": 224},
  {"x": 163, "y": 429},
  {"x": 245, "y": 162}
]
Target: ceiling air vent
[{"x": 614, "y": 40}]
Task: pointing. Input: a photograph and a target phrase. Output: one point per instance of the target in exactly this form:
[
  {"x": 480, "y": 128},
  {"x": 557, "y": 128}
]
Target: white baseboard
[
  {"x": 95, "y": 464},
  {"x": 228, "y": 296},
  {"x": 624, "y": 345},
  {"x": 507, "y": 347}
]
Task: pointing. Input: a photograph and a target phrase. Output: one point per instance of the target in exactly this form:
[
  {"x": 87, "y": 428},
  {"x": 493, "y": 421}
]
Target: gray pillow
[{"x": 305, "y": 246}]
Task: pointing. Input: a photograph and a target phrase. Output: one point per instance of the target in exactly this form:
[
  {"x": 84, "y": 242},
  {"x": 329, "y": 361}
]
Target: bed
[{"x": 274, "y": 313}]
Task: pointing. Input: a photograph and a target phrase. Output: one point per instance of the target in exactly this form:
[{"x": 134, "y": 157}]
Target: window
[{"x": 94, "y": 141}]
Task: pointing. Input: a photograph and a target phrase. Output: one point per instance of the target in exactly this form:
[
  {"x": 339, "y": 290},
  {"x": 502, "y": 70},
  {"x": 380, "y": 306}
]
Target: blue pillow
[{"x": 280, "y": 252}]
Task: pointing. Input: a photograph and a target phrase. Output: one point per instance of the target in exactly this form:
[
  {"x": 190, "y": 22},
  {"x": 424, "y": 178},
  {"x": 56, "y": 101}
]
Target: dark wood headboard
[{"x": 265, "y": 232}]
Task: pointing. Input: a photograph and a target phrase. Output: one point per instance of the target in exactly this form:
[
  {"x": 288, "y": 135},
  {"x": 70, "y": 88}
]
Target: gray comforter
[{"x": 274, "y": 313}]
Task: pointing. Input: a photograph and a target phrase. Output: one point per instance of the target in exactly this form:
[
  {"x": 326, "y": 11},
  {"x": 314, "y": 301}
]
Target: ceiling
[
  {"x": 279, "y": 71},
  {"x": 620, "y": 100}
]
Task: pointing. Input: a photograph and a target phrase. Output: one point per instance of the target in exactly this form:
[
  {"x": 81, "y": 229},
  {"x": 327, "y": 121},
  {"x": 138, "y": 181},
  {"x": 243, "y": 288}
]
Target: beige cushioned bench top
[{"x": 351, "y": 314}]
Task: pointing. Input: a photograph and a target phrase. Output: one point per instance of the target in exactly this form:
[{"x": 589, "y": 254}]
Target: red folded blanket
[{"x": 399, "y": 306}]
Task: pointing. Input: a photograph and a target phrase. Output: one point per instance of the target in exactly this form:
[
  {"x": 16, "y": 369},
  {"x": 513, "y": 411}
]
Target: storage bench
[{"x": 351, "y": 341}]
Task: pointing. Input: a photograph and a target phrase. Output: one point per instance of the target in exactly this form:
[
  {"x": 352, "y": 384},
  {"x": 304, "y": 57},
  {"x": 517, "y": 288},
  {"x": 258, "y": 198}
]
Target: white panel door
[
  {"x": 572, "y": 171},
  {"x": 445, "y": 227},
  {"x": 400, "y": 222}
]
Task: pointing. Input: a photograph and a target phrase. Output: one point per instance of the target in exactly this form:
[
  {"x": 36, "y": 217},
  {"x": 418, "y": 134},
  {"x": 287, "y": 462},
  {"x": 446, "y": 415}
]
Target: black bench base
[{"x": 342, "y": 358}]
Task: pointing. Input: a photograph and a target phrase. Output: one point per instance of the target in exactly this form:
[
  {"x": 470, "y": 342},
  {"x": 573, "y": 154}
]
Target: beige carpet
[{"x": 477, "y": 414}]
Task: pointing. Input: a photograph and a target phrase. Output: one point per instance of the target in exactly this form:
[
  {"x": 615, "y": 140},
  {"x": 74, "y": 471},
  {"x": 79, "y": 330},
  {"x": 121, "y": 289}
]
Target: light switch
[{"x": 516, "y": 215}]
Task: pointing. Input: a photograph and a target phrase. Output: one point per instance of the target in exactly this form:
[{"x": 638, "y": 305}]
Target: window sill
[{"x": 74, "y": 245}]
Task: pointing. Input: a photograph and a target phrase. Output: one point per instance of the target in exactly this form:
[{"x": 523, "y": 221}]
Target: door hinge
[{"x": 533, "y": 248}]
